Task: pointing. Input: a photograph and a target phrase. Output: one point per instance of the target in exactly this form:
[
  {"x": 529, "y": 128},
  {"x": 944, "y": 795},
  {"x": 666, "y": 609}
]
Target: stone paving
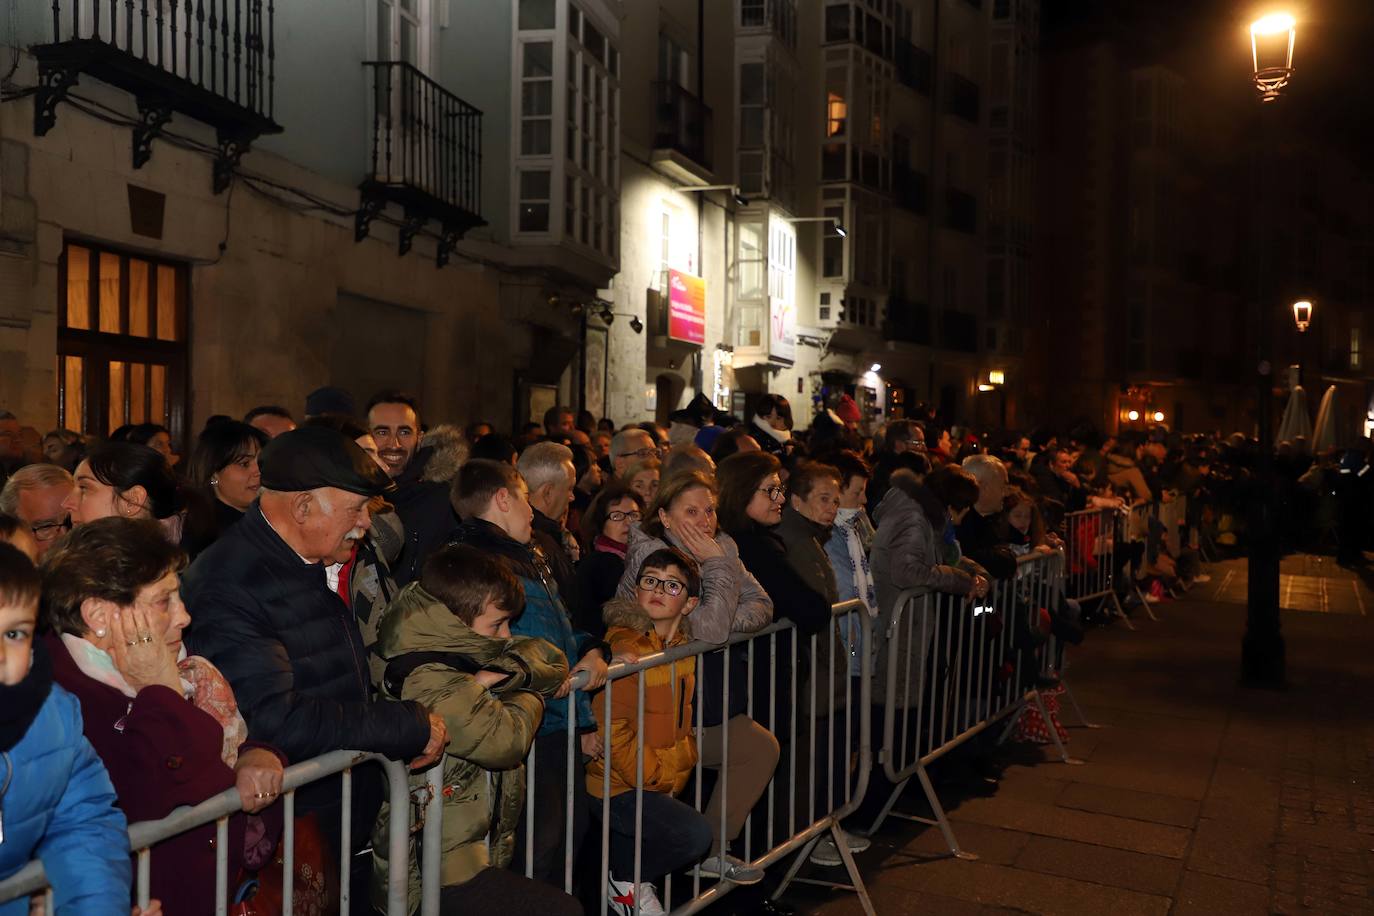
[{"x": 1197, "y": 796}]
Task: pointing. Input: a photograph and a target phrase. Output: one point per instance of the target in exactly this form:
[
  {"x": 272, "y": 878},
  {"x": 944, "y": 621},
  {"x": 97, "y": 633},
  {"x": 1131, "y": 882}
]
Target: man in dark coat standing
[
  {"x": 393, "y": 418},
  {"x": 266, "y": 615}
]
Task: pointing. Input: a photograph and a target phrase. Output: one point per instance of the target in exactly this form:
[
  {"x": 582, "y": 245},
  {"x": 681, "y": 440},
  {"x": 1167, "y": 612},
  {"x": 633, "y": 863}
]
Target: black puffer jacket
[
  {"x": 424, "y": 507},
  {"x": 291, "y": 649}
]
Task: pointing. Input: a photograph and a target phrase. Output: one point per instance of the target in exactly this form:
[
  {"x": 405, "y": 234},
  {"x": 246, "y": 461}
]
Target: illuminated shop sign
[{"x": 686, "y": 308}]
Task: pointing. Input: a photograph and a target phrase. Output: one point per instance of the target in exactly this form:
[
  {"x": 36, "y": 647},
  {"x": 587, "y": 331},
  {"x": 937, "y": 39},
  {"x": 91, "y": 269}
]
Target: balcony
[
  {"x": 425, "y": 156},
  {"x": 682, "y": 134},
  {"x": 961, "y": 98},
  {"x": 911, "y": 189},
  {"x": 913, "y": 66},
  {"x": 961, "y": 211},
  {"x": 198, "y": 58}
]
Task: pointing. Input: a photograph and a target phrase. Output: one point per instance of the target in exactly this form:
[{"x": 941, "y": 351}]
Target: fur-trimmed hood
[{"x": 626, "y": 612}]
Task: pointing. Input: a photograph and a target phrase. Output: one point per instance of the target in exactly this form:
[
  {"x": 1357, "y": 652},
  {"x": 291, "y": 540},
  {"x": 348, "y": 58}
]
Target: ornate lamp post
[{"x": 1272, "y": 39}]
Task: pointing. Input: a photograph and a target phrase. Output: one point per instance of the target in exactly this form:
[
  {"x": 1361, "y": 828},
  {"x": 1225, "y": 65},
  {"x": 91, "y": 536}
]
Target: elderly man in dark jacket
[{"x": 267, "y": 616}]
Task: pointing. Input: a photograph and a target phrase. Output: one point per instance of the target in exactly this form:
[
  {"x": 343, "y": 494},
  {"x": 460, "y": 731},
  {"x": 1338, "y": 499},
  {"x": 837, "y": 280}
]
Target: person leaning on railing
[
  {"x": 660, "y": 755},
  {"x": 56, "y": 801},
  {"x": 683, "y": 516},
  {"x": 165, "y": 723},
  {"x": 912, "y": 550},
  {"x": 269, "y": 607},
  {"x": 447, "y": 643}
]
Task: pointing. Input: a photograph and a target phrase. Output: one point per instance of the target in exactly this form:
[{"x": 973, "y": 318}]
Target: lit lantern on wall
[
  {"x": 1132, "y": 415},
  {"x": 1159, "y": 416}
]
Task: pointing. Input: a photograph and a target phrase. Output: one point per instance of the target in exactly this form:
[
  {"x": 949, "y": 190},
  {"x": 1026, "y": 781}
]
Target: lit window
[{"x": 1354, "y": 348}]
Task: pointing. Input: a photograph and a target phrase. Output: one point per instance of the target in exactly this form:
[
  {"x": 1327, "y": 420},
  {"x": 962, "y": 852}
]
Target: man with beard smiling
[
  {"x": 266, "y": 614},
  {"x": 393, "y": 417}
]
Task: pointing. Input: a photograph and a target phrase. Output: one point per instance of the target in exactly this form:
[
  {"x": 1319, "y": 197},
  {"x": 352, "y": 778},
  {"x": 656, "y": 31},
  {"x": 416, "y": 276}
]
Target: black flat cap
[{"x": 316, "y": 456}]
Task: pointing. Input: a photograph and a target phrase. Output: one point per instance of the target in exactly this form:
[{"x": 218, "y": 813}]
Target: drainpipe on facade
[
  {"x": 701, "y": 198},
  {"x": 932, "y": 228}
]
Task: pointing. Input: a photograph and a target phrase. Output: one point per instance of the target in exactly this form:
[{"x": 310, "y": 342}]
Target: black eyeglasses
[
  {"x": 49, "y": 530},
  {"x": 619, "y": 516},
  {"x": 670, "y": 586},
  {"x": 774, "y": 493}
]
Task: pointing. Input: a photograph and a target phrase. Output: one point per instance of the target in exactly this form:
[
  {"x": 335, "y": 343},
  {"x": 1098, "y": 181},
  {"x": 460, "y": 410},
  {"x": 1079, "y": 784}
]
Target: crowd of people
[{"x": 452, "y": 596}]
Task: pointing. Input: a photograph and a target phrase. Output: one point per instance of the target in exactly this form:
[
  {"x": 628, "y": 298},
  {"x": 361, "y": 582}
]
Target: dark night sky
[{"x": 1208, "y": 42}]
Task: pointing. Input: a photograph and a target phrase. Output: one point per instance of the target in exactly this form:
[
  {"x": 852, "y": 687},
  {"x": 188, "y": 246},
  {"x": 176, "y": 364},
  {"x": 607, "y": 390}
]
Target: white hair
[
  {"x": 31, "y": 477},
  {"x": 622, "y": 442},
  {"x": 986, "y": 469},
  {"x": 542, "y": 463}
]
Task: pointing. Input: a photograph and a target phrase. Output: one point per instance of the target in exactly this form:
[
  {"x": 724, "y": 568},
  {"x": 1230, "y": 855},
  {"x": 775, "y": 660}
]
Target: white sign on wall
[{"x": 782, "y": 330}]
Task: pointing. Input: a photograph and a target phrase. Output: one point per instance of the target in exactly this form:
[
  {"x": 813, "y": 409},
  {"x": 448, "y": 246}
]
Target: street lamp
[
  {"x": 1263, "y": 653},
  {"x": 1271, "y": 48},
  {"x": 1302, "y": 314},
  {"x": 839, "y": 229},
  {"x": 734, "y": 190}
]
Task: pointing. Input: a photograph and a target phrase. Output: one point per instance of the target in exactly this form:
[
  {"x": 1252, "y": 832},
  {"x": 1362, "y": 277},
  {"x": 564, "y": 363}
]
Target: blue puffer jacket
[
  {"x": 545, "y": 615},
  {"x": 60, "y": 808}
]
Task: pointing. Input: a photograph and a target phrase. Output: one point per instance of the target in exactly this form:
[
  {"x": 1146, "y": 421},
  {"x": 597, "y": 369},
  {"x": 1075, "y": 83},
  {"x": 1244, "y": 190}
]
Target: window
[
  {"x": 534, "y": 201},
  {"x": 1354, "y": 348},
  {"x": 121, "y": 342},
  {"x": 403, "y": 32},
  {"x": 536, "y": 99},
  {"x": 536, "y": 15},
  {"x": 752, "y": 13},
  {"x": 672, "y": 62},
  {"x": 837, "y": 22},
  {"x": 749, "y": 279}
]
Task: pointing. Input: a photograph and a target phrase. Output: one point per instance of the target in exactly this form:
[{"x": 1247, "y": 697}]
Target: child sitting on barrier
[
  {"x": 447, "y": 643},
  {"x": 673, "y": 834}
]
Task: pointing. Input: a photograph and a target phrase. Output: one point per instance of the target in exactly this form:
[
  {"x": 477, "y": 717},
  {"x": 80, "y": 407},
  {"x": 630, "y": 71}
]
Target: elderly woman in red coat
[{"x": 165, "y": 724}]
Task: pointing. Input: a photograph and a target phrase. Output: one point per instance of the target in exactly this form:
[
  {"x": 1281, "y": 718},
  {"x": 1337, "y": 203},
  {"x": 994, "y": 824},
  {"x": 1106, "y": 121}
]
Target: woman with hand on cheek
[{"x": 165, "y": 724}]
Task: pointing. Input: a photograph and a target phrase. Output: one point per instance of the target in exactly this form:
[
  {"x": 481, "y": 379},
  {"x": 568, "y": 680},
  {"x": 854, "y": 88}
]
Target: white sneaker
[
  {"x": 1201, "y": 577},
  {"x": 728, "y": 868},
  {"x": 1152, "y": 599},
  {"x": 622, "y": 896},
  {"x": 826, "y": 853}
]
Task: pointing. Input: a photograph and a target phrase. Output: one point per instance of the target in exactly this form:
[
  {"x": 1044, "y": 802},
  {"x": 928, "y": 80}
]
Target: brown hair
[
  {"x": 953, "y": 486},
  {"x": 739, "y": 477},
  {"x": 112, "y": 559},
  {"x": 851, "y": 465},
  {"x": 668, "y": 492},
  {"x": 464, "y": 579},
  {"x": 594, "y": 519},
  {"x": 477, "y": 482},
  {"x": 20, "y": 584},
  {"x": 665, "y": 557},
  {"x": 807, "y": 474}
]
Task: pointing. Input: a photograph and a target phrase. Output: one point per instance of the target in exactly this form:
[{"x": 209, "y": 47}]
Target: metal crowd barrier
[
  {"x": 1090, "y": 541},
  {"x": 954, "y": 670},
  {"x": 794, "y": 817},
  {"x": 217, "y": 810}
]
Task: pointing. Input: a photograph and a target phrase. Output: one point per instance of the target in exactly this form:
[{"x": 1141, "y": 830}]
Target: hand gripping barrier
[
  {"x": 217, "y": 810},
  {"x": 796, "y": 790},
  {"x": 955, "y": 668}
]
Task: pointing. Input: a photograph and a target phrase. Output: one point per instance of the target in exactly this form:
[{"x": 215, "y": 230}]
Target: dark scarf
[{"x": 19, "y": 705}]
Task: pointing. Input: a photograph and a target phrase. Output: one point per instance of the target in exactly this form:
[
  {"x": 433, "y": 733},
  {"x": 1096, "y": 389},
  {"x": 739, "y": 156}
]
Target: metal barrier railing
[
  {"x": 1090, "y": 549},
  {"x": 803, "y": 814},
  {"x": 971, "y": 670},
  {"x": 217, "y": 810}
]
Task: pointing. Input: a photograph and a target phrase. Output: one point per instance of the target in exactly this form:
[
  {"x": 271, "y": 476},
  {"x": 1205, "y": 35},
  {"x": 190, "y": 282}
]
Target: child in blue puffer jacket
[{"x": 56, "y": 801}]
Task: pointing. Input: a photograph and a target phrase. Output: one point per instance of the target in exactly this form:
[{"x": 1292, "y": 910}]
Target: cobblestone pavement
[{"x": 1197, "y": 796}]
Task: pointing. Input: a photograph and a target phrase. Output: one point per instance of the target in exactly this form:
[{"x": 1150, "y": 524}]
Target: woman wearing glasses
[
  {"x": 605, "y": 532},
  {"x": 683, "y": 516}
]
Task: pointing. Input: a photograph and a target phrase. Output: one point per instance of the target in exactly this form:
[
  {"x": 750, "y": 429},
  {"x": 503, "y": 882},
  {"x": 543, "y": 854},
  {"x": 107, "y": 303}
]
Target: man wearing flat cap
[{"x": 268, "y": 617}]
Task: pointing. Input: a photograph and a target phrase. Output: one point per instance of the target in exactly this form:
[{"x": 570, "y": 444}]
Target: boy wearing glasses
[{"x": 673, "y": 834}]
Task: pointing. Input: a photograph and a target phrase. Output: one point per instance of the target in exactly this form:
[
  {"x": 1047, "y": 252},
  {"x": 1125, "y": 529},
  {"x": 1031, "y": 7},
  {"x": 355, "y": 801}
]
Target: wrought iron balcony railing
[
  {"x": 425, "y": 154},
  {"x": 212, "y": 60},
  {"x": 682, "y": 122}
]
